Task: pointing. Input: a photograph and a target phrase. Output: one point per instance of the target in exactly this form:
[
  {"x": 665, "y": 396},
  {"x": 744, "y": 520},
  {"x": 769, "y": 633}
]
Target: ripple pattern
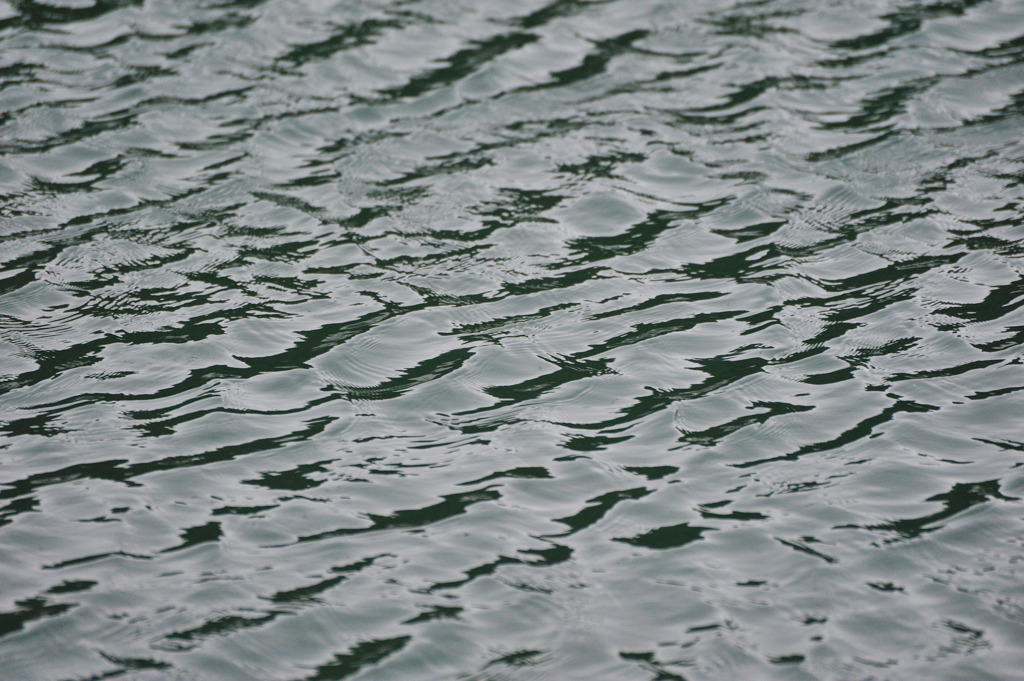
[{"x": 447, "y": 339}]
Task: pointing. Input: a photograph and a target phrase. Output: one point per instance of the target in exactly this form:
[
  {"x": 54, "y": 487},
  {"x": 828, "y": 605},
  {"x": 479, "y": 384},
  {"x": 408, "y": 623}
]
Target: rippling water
[{"x": 557, "y": 339}]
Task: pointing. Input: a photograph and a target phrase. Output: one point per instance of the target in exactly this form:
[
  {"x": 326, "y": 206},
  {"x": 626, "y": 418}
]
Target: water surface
[{"x": 439, "y": 339}]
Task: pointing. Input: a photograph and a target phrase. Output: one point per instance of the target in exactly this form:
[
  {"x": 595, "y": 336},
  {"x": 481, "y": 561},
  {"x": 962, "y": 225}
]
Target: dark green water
[{"x": 462, "y": 340}]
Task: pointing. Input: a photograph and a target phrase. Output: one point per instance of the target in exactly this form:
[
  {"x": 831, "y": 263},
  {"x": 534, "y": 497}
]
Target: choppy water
[{"x": 437, "y": 339}]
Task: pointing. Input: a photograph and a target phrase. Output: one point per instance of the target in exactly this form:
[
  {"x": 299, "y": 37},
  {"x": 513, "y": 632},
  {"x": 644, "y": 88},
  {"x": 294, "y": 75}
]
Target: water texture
[{"x": 551, "y": 339}]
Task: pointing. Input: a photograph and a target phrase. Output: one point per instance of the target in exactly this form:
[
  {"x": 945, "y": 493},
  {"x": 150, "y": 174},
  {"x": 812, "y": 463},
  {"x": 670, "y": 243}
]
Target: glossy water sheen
[{"x": 550, "y": 339}]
